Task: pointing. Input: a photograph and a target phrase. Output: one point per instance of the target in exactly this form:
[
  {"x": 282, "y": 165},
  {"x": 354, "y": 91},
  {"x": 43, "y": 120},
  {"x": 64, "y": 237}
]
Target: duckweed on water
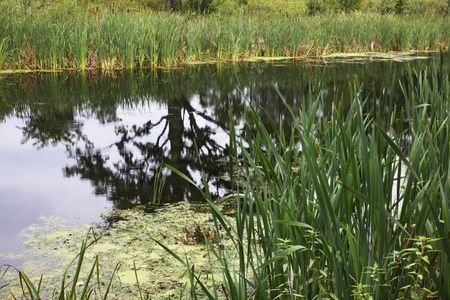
[{"x": 52, "y": 245}]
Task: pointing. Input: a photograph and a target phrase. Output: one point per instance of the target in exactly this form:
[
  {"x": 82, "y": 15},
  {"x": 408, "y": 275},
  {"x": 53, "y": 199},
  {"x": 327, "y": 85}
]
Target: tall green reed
[
  {"x": 338, "y": 206},
  {"x": 158, "y": 185},
  {"x": 84, "y": 39},
  {"x": 4, "y": 53}
]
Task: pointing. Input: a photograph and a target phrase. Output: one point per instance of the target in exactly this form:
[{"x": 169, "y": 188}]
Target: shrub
[
  {"x": 200, "y": 6},
  {"x": 393, "y": 6},
  {"x": 315, "y": 6},
  {"x": 349, "y": 5}
]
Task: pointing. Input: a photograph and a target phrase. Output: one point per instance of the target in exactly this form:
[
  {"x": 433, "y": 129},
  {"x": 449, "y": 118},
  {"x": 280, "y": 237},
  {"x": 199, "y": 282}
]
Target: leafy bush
[
  {"x": 400, "y": 6},
  {"x": 200, "y": 6},
  {"x": 424, "y": 7},
  {"x": 321, "y": 6},
  {"x": 349, "y": 5},
  {"x": 393, "y": 6},
  {"x": 315, "y": 6}
]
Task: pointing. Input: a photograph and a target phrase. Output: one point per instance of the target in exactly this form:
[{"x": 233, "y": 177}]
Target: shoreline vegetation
[
  {"x": 63, "y": 35},
  {"x": 341, "y": 208},
  {"x": 349, "y": 204}
]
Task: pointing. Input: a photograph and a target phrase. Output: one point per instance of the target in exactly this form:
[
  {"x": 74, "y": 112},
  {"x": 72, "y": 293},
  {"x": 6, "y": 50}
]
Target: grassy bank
[
  {"x": 352, "y": 205},
  {"x": 32, "y": 38}
]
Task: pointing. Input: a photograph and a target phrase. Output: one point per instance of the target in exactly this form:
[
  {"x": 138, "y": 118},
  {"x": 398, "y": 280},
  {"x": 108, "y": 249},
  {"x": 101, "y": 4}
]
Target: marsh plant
[
  {"x": 347, "y": 204},
  {"x": 80, "y": 286},
  {"x": 158, "y": 185},
  {"x": 41, "y": 39}
]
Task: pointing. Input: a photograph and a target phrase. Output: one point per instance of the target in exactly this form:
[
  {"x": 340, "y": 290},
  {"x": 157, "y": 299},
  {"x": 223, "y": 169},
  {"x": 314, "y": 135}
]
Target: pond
[{"x": 75, "y": 144}]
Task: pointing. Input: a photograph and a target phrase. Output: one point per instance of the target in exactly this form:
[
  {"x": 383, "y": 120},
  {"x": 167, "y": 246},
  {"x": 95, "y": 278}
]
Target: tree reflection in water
[
  {"x": 132, "y": 176},
  {"x": 194, "y": 106}
]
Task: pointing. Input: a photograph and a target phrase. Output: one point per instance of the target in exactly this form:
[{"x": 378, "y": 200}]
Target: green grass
[
  {"x": 352, "y": 204},
  {"x": 80, "y": 37}
]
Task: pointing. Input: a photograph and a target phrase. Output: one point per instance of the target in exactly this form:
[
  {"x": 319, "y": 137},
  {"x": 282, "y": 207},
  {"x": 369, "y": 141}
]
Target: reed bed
[
  {"x": 52, "y": 40},
  {"x": 339, "y": 207}
]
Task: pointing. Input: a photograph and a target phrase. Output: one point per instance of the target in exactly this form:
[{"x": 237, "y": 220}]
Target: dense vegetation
[
  {"x": 351, "y": 205},
  {"x": 39, "y": 35},
  {"x": 350, "y": 201}
]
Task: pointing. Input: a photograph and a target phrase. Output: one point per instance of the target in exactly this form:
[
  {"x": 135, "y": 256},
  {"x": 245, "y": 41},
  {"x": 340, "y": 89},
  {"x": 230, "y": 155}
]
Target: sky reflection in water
[{"x": 72, "y": 145}]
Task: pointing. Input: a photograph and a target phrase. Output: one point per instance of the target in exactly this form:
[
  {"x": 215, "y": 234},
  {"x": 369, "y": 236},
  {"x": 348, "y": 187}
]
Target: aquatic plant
[
  {"x": 77, "y": 288},
  {"x": 43, "y": 40},
  {"x": 3, "y": 52},
  {"x": 353, "y": 203},
  {"x": 158, "y": 185}
]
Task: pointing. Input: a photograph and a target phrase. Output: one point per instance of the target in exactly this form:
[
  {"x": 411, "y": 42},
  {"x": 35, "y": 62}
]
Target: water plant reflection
[{"x": 179, "y": 106}]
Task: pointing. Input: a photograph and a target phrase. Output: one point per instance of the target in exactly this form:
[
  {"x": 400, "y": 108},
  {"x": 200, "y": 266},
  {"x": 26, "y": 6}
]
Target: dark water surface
[{"x": 72, "y": 144}]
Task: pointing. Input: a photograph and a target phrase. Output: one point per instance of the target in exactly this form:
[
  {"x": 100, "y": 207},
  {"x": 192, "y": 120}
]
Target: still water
[{"x": 73, "y": 144}]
